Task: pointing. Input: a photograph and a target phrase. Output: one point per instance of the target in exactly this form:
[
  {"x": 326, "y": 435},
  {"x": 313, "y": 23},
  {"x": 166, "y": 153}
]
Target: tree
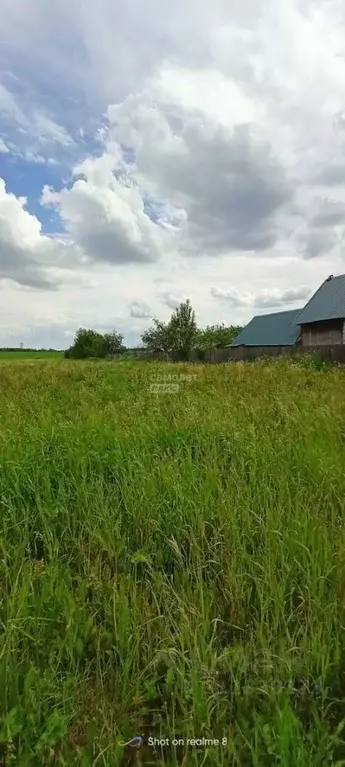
[
  {"x": 182, "y": 330},
  {"x": 216, "y": 336},
  {"x": 113, "y": 342},
  {"x": 181, "y": 334},
  {"x": 89, "y": 343},
  {"x": 84, "y": 344},
  {"x": 157, "y": 338}
]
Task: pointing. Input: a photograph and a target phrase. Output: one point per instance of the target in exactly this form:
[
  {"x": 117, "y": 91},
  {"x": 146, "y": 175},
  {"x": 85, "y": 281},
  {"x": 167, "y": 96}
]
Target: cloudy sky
[{"x": 151, "y": 152}]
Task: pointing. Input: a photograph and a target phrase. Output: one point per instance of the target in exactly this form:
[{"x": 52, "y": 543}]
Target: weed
[{"x": 171, "y": 566}]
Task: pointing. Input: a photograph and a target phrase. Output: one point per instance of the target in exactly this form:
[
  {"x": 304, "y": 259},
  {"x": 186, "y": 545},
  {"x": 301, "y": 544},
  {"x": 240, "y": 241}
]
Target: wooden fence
[
  {"x": 326, "y": 353},
  {"x": 247, "y": 353}
]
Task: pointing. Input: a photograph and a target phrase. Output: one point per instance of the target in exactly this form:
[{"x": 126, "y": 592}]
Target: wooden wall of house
[{"x": 328, "y": 333}]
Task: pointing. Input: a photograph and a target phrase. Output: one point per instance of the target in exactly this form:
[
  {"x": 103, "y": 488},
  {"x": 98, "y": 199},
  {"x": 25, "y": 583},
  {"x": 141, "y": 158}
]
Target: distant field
[
  {"x": 30, "y": 355},
  {"x": 172, "y": 564}
]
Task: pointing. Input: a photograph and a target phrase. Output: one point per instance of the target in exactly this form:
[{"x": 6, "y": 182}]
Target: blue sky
[
  {"x": 149, "y": 154},
  {"x": 27, "y": 179}
]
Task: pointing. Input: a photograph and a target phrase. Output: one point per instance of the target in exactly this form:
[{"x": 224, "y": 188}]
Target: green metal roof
[
  {"x": 328, "y": 303},
  {"x": 278, "y": 329}
]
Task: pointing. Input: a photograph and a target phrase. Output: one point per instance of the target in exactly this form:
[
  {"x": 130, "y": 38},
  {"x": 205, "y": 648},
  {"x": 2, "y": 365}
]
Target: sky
[{"x": 153, "y": 152}]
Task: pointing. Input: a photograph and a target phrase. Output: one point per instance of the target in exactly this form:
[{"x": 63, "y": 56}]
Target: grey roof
[
  {"x": 328, "y": 303},
  {"x": 278, "y": 329}
]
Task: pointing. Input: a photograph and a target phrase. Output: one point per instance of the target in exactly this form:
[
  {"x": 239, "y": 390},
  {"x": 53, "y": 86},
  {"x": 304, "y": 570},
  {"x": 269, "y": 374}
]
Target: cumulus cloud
[
  {"x": 319, "y": 241},
  {"x": 213, "y": 148},
  {"x": 140, "y": 310},
  {"x": 265, "y": 298},
  {"x": 329, "y": 213},
  {"x": 215, "y": 189},
  {"x": 27, "y": 256},
  {"x": 192, "y": 152},
  {"x": 332, "y": 174},
  {"x": 319, "y": 227},
  {"x": 105, "y": 217},
  {"x": 172, "y": 301},
  {"x": 108, "y": 50},
  {"x": 223, "y": 185}
]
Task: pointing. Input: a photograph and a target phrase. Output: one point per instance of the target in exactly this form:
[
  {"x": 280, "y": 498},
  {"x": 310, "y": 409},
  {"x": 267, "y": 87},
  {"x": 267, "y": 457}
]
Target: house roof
[
  {"x": 328, "y": 303},
  {"x": 278, "y": 329}
]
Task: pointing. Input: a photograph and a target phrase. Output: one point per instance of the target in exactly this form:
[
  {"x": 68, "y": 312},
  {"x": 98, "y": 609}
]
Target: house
[
  {"x": 322, "y": 320},
  {"x": 279, "y": 329},
  {"x": 320, "y": 323}
]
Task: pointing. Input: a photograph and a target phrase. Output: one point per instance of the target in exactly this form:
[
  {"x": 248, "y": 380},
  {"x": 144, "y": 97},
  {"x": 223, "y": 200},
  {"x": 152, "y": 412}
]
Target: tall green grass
[{"x": 172, "y": 565}]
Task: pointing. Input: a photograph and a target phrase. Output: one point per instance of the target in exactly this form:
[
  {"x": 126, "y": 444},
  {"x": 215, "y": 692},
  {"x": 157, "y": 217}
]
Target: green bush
[
  {"x": 311, "y": 361},
  {"x": 90, "y": 344}
]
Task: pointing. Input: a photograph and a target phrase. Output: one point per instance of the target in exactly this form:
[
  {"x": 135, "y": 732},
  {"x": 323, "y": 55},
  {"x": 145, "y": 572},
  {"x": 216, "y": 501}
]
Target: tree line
[
  {"x": 179, "y": 336},
  {"x": 25, "y": 349}
]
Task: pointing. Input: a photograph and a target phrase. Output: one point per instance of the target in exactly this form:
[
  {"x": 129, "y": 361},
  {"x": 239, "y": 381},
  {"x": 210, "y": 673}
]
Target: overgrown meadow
[{"x": 172, "y": 564}]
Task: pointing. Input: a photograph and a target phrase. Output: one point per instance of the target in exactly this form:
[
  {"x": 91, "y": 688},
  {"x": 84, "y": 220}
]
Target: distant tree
[
  {"x": 216, "y": 336},
  {"x": 175, "y": 336},
  {"x": 157, "y": 337},
  {"x": 88, "y": 343},
  {"x": 182, "y": 330},
  {"x": 114, "y": 343},
  {"x": 181, "y": 334}
]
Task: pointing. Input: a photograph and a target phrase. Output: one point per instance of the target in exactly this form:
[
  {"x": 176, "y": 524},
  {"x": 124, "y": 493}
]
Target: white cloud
[
  {"x": 47, "y": 130},
  {"x": 172, "y": 301},
  {"x": 140, "y": 310},
  {"x": 9, "y": 107},
  {"x": 266, "y": 298},
  {"x": 106, "y": 218},
  {"x": 218, "y": 162},
  {"x": 34, "y": 158},
  {"x": 3, "y": 147},
  {"x": 105, "y": 51},
  {"x": 207, "y": 91},
  {"x": 27, "y": 256},
  {"x": 29, "y": 131},
  {"x": 221, "y": 188}
]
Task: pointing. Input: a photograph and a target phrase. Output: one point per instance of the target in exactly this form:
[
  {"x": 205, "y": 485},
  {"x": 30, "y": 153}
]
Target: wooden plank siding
[{"x": 329, "y": 333}]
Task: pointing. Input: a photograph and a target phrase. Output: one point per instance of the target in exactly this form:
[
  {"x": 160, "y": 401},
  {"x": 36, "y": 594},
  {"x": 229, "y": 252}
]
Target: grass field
[
  {"x": 30, "y": 355},
  {"x": 172, "y": 564}
]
